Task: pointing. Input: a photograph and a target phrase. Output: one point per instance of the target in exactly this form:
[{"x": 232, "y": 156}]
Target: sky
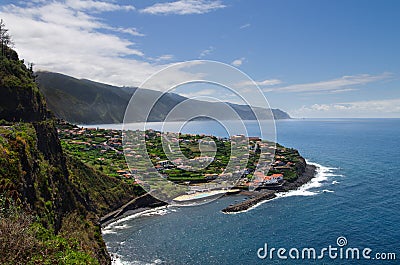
[{"x": 311, "y": 58}]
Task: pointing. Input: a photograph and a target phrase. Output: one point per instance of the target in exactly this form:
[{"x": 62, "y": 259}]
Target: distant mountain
[{"x": 83, "y": 101}]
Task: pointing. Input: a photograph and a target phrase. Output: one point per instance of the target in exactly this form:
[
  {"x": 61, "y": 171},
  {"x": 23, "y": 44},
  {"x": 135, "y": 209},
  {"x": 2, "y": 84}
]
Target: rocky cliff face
[
  {"x": 35, "y": 174},
  {"x": 64, "y": 195},
  {"x": 34, "y": 141}
]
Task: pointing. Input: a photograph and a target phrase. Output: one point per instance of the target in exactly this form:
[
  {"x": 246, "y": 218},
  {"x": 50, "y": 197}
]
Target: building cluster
[
  {"x": 273, "y": 159},
  {"x": 92, "y": 138}
]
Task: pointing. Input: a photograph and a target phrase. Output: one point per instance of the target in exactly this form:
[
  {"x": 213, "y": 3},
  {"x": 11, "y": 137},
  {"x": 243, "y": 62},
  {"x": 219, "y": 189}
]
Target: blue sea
[{"x": 354, "y": 197}]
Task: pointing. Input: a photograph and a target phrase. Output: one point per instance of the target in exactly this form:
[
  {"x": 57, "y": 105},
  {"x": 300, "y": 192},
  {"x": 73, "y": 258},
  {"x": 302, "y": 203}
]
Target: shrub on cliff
[{"x": 23, "y": 240}]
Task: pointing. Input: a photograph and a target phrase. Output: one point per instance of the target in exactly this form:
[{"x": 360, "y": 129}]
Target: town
[{"x": 190, "y": 159}]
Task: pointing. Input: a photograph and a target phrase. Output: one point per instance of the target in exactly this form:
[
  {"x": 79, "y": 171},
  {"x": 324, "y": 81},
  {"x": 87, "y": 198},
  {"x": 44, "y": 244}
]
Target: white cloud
[
  {"x": 335, "y": 85},
  {"x": 245, "y": 26},
  {"x": 238, "y": 62},
  {"x": 68, "y": 37},
  {"x": 162, "y": 58},
  {"x": 174, "y": 75},
  {"x": 342, "y": 90},
  {"x": 206, "y": 52},
  {"x": 203, "y": 92},
  {"x": 264, "y": 83},
  {"x": 367, "y": 108},
  {"x": 130, "y": 31},
  {"x": 184, "y": 7},
  {"x": 269, "y": 82},
  {"x": 319, "y": 107},
  {"x": 100, "y": 6},
  {"x": 387, "y": 105}
]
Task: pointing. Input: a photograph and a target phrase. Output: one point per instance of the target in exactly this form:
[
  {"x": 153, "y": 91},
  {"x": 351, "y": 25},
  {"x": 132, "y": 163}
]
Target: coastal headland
[
  {"x": 103, "y": 150},
  {"x": 255, "y": 197}
]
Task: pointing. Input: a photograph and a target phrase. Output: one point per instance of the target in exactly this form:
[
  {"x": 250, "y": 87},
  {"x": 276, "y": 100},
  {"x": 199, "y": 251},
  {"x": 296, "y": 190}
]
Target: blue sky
[{"x": 312, "y": 58}]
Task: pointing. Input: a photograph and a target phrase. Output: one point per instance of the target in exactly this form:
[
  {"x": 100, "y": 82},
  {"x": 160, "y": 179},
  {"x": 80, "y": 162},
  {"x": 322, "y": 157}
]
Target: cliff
[{"x": 50, "y": 204}]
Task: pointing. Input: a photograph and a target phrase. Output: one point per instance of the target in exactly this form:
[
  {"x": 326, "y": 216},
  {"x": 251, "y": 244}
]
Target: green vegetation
[
  {"x": 24, "y": 240},
  {"x": 104, "y": 193},
  {"x": 52, "y": 193},
  {"x": 86, "y": 102},
  {"x": 94, "y": 148},
  {"x": 59, "y": 198},
  {"x": 20, "y": 98},
  {"x": 31, "y": 221},
  {"x": 50, "y": 203},
  {"x": 102, "y": 149},
  {"x": 82, "y": 101}
]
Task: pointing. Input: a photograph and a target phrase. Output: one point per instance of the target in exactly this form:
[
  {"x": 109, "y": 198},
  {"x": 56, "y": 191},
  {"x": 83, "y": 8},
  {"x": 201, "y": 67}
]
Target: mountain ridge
[{"x": 83, "y": 101}]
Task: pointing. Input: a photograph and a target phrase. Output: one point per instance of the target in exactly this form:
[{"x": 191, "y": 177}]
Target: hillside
[
  {"x": 86, "y": 102},
  {"x": 50, "y": 203},
  {"x": 20, "y": 98}
]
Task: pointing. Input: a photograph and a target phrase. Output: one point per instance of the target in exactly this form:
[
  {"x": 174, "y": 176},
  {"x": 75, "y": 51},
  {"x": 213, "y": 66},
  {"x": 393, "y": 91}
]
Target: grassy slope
[
  {"x": 50, "y": 203},
  {"x": 66, "y": 205},
  {"x": 82, "y": 101}
]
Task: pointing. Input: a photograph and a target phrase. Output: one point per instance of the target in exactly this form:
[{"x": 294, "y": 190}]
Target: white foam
[
  {"x": 124, "y": 226},
  {"x": 113, "y": 227},
  {"x": 159, "y": 212},
  {"x": 117, "y": 260},
  {"x": 108, "y": 231},
  {"x": 322, "y": 175},
  {"x": 333, "y": 175}
]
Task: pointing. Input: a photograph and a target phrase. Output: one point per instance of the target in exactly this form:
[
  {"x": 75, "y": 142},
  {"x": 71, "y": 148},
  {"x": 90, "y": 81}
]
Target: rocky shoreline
[
  {"x": 137, "y": 205},
  {"x": 259, "y": 196},
  {"x": 147, "y": 202}
]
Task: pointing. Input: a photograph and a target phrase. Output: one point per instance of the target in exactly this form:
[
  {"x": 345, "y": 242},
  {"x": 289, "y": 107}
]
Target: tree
[{"x": 5, "y": 38}]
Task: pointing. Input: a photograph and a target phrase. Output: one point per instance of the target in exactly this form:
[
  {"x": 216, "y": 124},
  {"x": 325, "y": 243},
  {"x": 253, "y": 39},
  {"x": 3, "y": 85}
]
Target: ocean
[{"x": 352, "y": 203}]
